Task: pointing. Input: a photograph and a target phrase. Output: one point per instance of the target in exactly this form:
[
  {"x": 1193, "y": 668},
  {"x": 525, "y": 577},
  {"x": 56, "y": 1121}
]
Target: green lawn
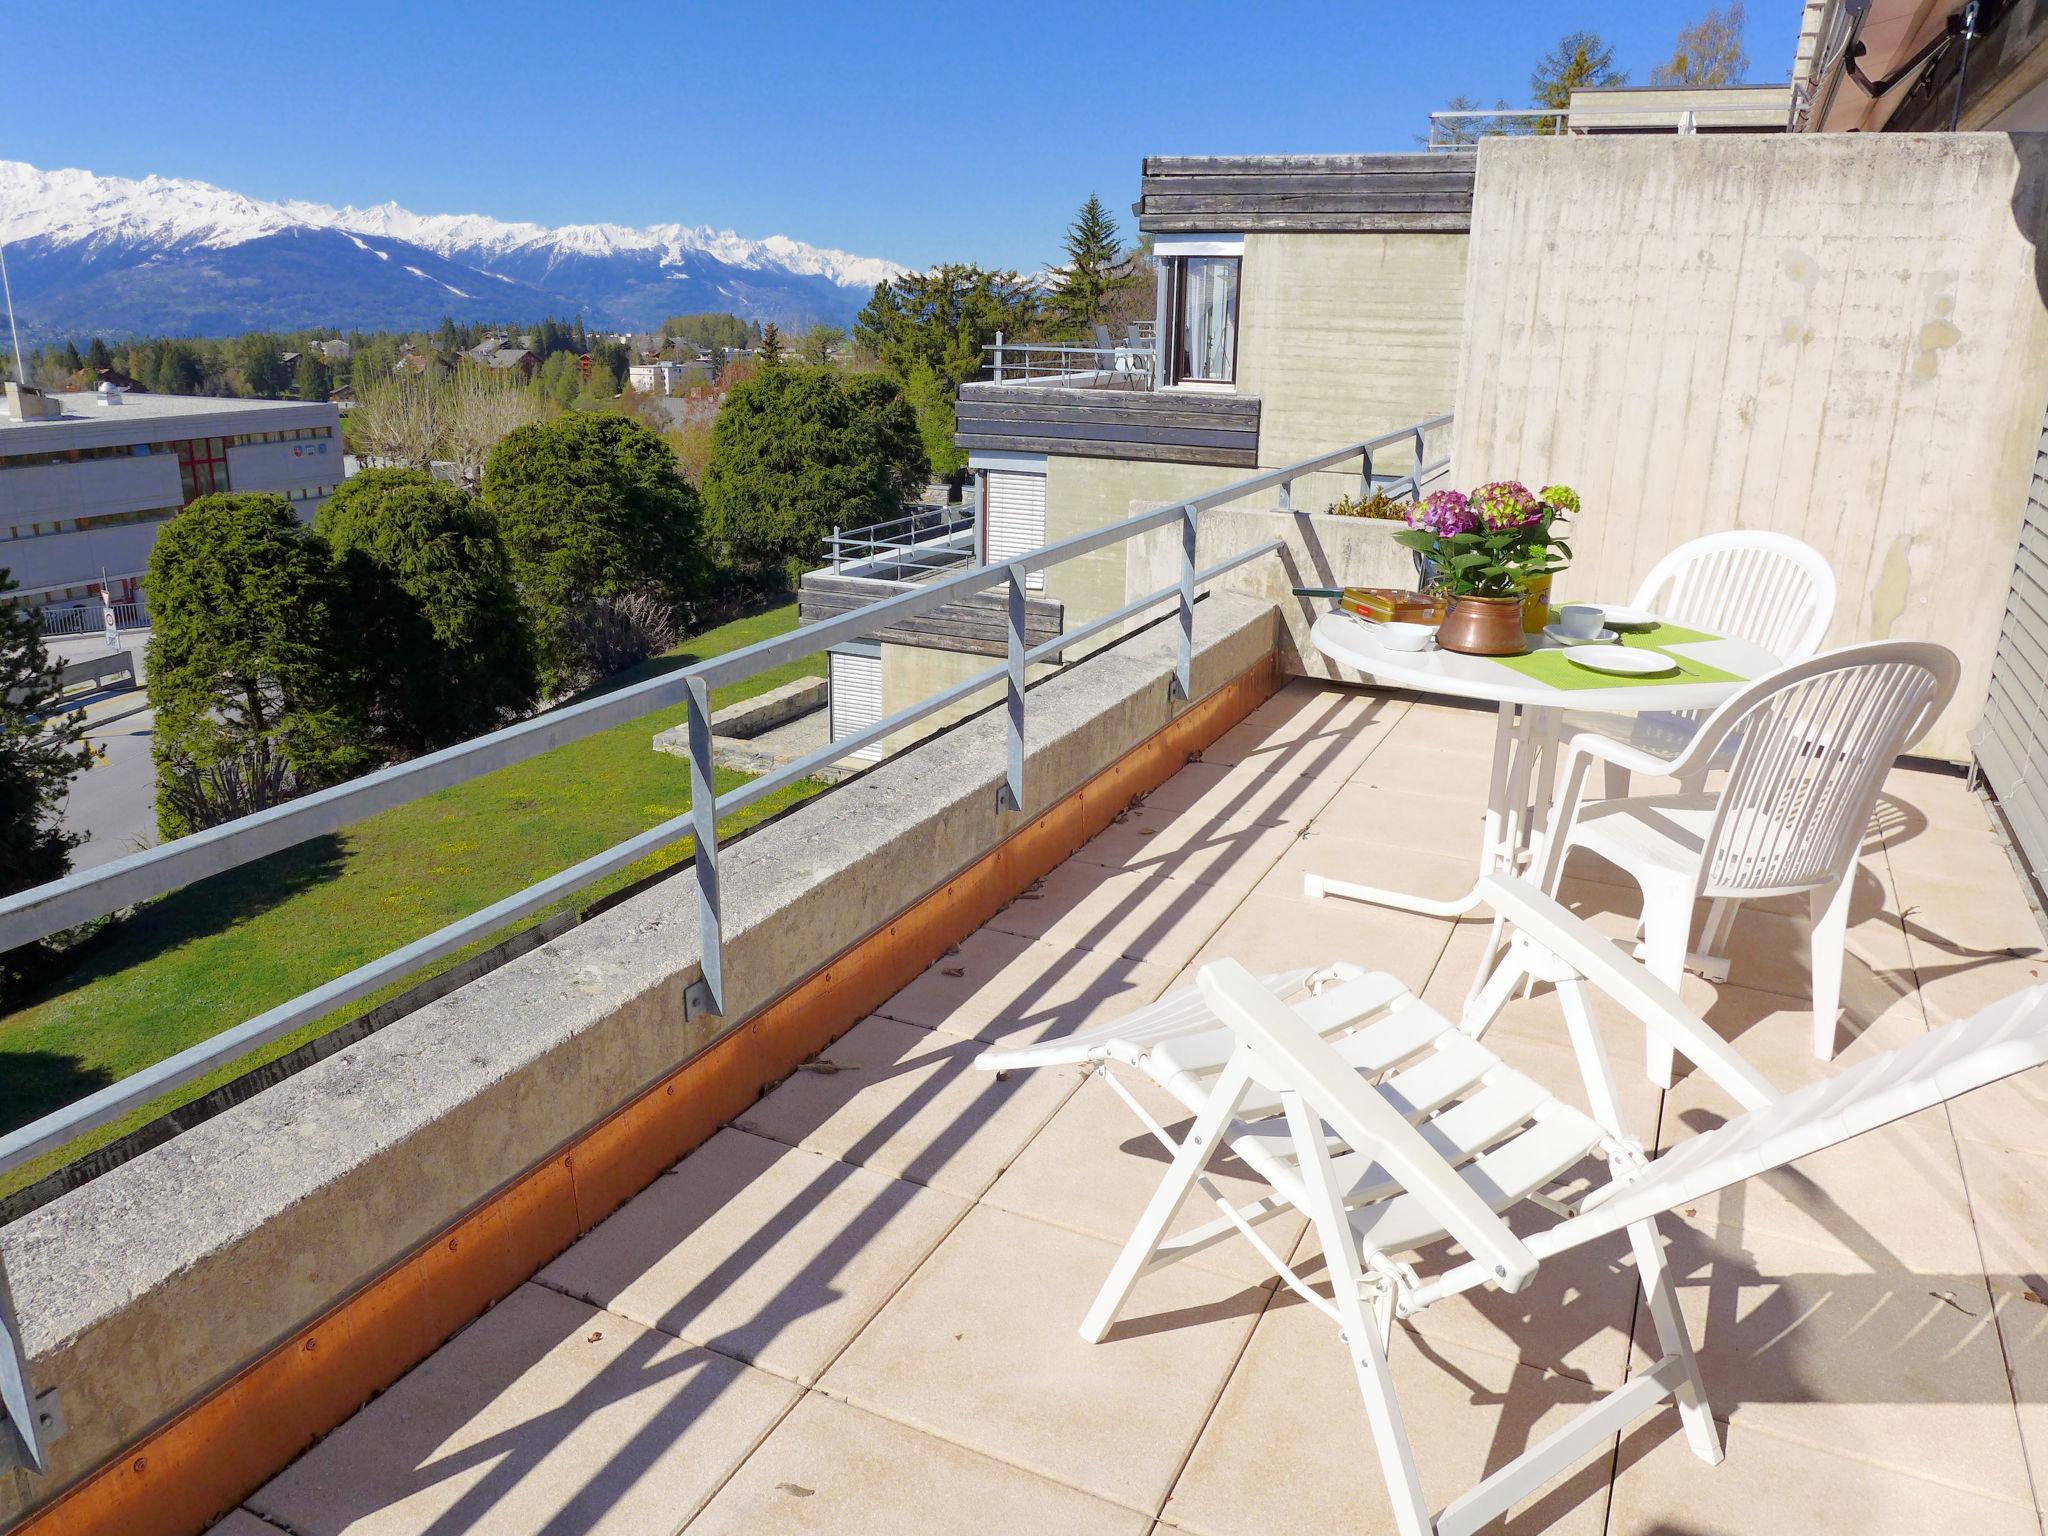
[{"x": 205, "y": 958}]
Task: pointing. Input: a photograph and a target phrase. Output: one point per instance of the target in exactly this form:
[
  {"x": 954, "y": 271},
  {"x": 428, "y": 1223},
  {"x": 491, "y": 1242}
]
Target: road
[{"x": 113, "y": 803}]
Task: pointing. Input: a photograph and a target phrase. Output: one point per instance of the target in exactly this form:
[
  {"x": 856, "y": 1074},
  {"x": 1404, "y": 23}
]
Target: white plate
[
  {"x": 1556, "y": 632},
  {"x": 1619, "y": 617},
  {"x": 1619, "y": 660}
]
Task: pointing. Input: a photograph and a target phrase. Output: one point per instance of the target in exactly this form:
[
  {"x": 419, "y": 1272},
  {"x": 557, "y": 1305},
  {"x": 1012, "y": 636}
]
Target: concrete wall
[
  {"x": 914, "y": 672},
  {"x": 1841, "y": 338},
  {"x": 1343, "y": 337},
  {"x": 1081, "y": 494}
]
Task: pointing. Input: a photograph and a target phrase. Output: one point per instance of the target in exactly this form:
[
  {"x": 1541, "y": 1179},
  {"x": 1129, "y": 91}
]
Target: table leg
[{"x": 1517, "y": 799}]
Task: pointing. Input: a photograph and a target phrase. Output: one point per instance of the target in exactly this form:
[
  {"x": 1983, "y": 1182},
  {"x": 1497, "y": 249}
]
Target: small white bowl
[{"x": 1406, "y": 637}]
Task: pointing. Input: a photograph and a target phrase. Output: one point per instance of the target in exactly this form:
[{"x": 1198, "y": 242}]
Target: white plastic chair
[
  {"x": 1449, "y": 1136},
  {"x": 1766, "y": 588},
  {"x": 1807, "y": 750}
]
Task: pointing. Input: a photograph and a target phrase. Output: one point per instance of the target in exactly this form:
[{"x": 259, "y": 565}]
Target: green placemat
[{"x": 1550, "y": 666}]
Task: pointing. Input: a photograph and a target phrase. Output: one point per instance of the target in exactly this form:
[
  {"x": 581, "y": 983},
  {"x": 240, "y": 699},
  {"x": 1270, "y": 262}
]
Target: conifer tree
[
  {"x": 771, "y": 345},
  {"x": 1096, "y": 271},
  {"x": 41, "y": 748}
]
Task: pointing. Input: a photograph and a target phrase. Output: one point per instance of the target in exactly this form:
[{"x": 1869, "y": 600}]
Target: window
[
  {"x": 203, "y": 466},
  {"x": 1204, "y": 299}
]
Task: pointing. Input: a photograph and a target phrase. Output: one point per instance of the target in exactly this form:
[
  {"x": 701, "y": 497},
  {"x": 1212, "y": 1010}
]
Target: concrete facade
[
  {"x": 1839, "y": 338},
  {"x": 1343, "y": 337},
  {"x": 84, "y": 493},
  {"x": 913, "y": 672}
]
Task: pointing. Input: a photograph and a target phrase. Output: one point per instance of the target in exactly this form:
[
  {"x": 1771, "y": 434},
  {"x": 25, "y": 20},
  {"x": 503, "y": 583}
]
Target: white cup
[
  {"x": 1581, "y": 621},
  {"x": 1407, "y": 637}
]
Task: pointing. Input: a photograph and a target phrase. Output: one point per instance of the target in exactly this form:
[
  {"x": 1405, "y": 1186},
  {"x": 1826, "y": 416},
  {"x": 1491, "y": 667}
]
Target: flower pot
[
  {"x": 1483, "y": 626},
  {"x": 1535, "y": 604}
]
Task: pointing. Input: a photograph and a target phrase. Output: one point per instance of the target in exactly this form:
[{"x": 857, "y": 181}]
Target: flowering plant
[{"x": 1493, "y": 542}]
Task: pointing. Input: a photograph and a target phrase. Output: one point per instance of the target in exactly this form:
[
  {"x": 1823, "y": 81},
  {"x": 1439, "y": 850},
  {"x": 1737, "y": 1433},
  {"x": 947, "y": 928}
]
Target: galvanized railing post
[
  {"x": 999, "y": 357},
  {"x": 1286, "y": 495},
  {"x": 704, "y": 826},
  {"x": 1184, "y": 660},
  {"x": 1011, "y": 796},
  {"x": 1365, "y": 475},
  {"x": 1415, "y": 470},
  {"x": 34, "y": 1419}
]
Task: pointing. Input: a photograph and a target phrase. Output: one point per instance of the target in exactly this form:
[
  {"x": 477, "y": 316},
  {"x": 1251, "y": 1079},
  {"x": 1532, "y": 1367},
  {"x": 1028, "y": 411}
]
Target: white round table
[{"x": 1525, "y": 735}]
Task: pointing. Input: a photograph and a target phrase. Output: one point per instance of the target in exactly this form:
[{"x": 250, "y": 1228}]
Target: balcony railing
[
  {"x": 931, "y": 538},
  {"x": 90, "y": 618},
  {"x": 1101, "y": 364},
  {"x": 49, "y": 909},
  {"x": 1461, "y": 131}
]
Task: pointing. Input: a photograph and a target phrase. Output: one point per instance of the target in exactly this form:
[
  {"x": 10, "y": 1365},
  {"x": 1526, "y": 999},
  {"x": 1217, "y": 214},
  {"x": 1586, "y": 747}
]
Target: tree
[
  {"x": 435, "y": 618},
  {"x": 1709, "y": 52},
  {"x": 255, "y": 695},
  {"x": 797, "y": 450},
  {"x": 1579, "y": 60},
  {"x": 943, "y": 319},
  {"x": 72, "y": 361},
  {"x": 41, "y": 751},
  {"x": 712, "y": 332},
  {"x": 818, "y": 344},
  {"x": 314, "y": 381},
  {"x": 97, "y": 356},
  {"x": 926, "y": 395},
  {"x": 395, "y": 421},
  {"x": 474, "y": 410},
  {"x": 590, "y": 505},
  {"x": 1097, "y": 270},
  {"x": 262, "y": 363},
  {"x": 771, "y": 345}
]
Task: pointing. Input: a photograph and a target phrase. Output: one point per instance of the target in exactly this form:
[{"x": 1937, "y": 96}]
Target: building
[
  {"x": 1303, "y": 301},
  {"x": 664, "y": 377},
  {"x": 84, "y": 491}
]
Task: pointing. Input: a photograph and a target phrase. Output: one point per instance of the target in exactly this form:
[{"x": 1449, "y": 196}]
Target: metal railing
[
  {"x": 1461, "y": 131},
  {"x": 79, "y": 898},
  {"x": 90, "y": 618},
  {"x": 1126, "y": 364},
  {"x": 930, "y": 536}
]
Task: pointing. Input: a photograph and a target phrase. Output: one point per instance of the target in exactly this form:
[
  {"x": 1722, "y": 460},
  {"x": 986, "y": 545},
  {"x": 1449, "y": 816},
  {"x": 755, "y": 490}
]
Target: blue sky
[{"x": 916, "y": 131}]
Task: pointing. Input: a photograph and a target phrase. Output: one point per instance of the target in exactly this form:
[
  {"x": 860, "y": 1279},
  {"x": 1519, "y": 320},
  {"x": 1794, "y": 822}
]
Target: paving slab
[
  {"x": 1132, "y": 913},
  {"x": 545, "y": 1415},
  {"x": 908, "y": 1102},
  {"x": 1000, "y": 988},
  {"x": 981, "y": 1348},
  {"x": 835, "y": 1470},
  {"x": 1289, "y": 1447},
  {"x": 767, "y": 1253}
]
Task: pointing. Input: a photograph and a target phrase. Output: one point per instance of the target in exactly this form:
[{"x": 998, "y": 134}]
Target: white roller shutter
[
  {"x": 855, "y": 691},
  {"x": 1016, "y": 518}
]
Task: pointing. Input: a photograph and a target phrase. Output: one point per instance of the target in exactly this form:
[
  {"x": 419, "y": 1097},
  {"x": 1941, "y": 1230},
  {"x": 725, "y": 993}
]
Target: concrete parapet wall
[
  {"x": 1318, "y": 551},
  {"x": 142, "y": 1292},
  {"x": 1839, "y": 337}
]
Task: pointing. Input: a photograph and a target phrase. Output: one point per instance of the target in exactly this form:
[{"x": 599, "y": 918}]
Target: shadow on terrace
[{"x": 855, "y": 1308}]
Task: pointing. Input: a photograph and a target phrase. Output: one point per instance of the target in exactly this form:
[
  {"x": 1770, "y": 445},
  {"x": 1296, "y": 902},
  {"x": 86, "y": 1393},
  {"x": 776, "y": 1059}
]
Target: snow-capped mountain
[{"x": 106, "y": 255}]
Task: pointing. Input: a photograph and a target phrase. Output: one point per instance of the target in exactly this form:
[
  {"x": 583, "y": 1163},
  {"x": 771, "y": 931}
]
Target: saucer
[{"x": 1556, "y": 632}]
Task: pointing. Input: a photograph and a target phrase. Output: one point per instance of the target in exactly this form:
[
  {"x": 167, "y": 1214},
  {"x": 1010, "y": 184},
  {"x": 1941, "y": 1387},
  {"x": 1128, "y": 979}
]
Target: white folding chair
[
  {"x": 1386, "y": 1156},
  {"x": 1807, "y": 750}
]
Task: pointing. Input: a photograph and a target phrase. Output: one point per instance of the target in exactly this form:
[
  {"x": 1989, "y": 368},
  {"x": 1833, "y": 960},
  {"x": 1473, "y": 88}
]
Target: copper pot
[{"x": 1483, "y": 626}]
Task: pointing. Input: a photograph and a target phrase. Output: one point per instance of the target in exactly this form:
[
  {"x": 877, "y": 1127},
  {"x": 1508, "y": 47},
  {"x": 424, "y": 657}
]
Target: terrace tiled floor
[{"x": 854, "y": 1310}]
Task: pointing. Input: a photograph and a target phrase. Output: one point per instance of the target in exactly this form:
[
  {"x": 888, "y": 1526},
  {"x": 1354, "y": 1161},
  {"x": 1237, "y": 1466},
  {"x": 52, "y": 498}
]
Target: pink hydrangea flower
[{"x": 1445, "y": 514}]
